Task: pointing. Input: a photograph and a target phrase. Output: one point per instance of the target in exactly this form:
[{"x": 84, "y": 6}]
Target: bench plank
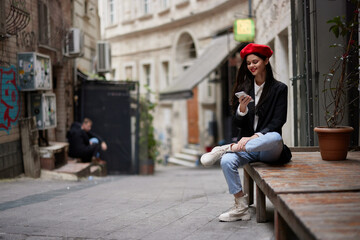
[
  {"x": 309, "y": 173},
  {"x": 323, "y": 215}
]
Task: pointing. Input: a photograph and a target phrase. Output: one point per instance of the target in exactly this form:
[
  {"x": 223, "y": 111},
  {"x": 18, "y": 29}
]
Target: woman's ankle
[{"x": 239, "y": 194}]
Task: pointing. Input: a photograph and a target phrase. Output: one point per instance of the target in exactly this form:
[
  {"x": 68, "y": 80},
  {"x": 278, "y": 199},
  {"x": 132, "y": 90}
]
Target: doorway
[{"x": 193, "y": 118}]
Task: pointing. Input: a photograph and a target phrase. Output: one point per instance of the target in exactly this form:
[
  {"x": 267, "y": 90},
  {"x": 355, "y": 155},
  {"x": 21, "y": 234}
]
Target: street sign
[{"x": 244, "y": 30}]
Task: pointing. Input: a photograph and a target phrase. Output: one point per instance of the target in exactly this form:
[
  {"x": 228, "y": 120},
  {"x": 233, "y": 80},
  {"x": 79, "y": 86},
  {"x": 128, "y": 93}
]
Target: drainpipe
[
  {"x": 250, "y": 15},
  {"x": 308, "y": 67},
  {"x": 294, "y": 79}
]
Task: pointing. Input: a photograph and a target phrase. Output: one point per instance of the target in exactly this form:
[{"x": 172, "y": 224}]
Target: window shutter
[{"x": 43, "y": 23}]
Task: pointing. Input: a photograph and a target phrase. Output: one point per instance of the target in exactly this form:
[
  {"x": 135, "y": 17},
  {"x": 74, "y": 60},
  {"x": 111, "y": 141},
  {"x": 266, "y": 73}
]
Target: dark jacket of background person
[{"x": 79, "y": 145}]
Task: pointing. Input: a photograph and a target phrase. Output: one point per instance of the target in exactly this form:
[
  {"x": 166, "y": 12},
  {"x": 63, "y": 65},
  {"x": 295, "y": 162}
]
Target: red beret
[{"x": 256, "y": 48}]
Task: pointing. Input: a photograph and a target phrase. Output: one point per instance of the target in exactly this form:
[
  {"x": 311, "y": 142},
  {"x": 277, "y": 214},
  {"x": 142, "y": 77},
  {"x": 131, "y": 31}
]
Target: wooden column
[
  {"x": 281, "y": 227},
  {"x": 260, "y": 205},
  {"x": 249, "y": 186},
  {"x": 30, "y": 149}
]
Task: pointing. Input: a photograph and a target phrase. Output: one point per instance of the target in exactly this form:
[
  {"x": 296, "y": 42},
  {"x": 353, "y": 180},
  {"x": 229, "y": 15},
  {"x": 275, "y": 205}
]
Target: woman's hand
[
  {"x": 244, "y": 101},
  {"x": 240, "y": 146}
]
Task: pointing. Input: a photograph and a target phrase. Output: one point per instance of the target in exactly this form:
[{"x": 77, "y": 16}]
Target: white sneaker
[
  {"x": 240, "y": 211},
  {"x": 216, "y": 153}
]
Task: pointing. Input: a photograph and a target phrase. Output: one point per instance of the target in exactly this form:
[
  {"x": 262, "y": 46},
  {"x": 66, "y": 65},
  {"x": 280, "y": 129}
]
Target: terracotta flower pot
[{"x": 334, "y": 142}]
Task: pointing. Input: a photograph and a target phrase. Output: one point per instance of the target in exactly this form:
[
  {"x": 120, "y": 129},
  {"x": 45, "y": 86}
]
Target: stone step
[
  {"x": 52, "y": 175},
  {"x": 71, "y": 171},
  {"x": 98, "y": 170},
  {"x": 187, "y": 157},
  {"x": 78, "y": 169},
  {"x": 182, "y": 162},
  {"x": 190, "y": 151}
]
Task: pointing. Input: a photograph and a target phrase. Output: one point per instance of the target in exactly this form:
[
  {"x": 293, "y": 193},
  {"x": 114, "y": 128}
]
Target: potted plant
[
  {"x": 148, "y": 143},
  {"x": 334, "y": 139}
]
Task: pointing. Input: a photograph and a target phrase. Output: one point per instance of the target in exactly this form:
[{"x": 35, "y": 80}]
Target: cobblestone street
[{"x": 175, "y": 203}]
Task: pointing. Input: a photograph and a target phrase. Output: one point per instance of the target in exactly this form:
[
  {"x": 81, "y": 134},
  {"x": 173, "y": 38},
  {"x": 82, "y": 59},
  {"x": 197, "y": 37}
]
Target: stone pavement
[{"x": 175, "y": 203}]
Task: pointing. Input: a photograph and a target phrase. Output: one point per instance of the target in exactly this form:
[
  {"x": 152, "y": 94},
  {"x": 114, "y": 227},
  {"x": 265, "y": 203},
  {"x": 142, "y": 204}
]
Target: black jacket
[
  {"x": 272, "y": 116},
  {"x": 272, "y": 113},
  {"x": 79, "y": 146}
]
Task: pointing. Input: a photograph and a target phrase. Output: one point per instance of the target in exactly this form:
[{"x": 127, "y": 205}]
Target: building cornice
[{"x": 174, "y": 22}]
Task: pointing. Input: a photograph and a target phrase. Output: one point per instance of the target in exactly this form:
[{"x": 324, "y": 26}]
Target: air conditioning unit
[
  {"x": 74, "y": 43},
  {"x": 103, "y": 57}
]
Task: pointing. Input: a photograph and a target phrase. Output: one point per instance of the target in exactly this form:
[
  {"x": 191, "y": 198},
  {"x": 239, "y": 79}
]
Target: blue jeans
[{"x": 266, "y": 148}]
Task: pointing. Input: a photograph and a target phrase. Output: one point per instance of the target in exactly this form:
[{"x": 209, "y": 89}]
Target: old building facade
[
  {"x": 39, "y": 28},
  {"x": 157, "y": 42}
]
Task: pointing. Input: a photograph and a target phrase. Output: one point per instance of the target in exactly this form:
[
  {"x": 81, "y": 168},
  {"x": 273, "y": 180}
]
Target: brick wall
[{"x": 26, "y": 40}]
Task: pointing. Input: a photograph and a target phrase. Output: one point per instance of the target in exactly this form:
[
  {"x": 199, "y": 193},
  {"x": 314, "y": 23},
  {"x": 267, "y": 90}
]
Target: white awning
[{"x": 213, "y": 56}]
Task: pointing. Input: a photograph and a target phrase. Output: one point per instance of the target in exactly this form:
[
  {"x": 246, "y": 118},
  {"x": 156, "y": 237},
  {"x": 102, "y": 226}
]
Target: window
[
  {"x": 128, "y": 72},
  {"x": 185, "y": 49},
  {"x": 113, "y": 73},
  {"x": 43, "y": 23},
  {"x": 147, "y": 74},
  {"x": 111, "y": 12},
  {"x": 147, "y": 77},
  {"x": 86, "y": 7},
  {"x": 165, "y": 79},
  {"x": 146, "y": 7},
  {"x": 192, "y": 51}
]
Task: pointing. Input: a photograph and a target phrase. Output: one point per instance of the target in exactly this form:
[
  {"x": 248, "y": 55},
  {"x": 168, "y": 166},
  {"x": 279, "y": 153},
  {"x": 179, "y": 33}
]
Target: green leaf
[
  {"x": 336, "y": 20},
  {"x": 335, "y": 30}
]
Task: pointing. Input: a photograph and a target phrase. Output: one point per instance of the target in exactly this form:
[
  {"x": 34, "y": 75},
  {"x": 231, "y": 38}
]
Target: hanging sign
[{"x": 244, "y": 30}]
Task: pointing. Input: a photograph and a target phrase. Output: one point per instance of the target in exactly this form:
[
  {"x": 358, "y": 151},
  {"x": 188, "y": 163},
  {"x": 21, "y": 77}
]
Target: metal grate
[{"x": 17, "y": 20}]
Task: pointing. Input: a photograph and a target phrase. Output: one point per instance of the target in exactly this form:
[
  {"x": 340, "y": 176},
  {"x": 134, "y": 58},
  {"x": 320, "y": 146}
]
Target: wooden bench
[
  {"x": 307, "y": 176},
  {"x": 53, "y": 156}
]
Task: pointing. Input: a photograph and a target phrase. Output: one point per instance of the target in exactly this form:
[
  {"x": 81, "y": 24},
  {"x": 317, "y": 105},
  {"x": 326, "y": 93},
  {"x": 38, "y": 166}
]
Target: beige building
[
  {"x": 185, "y": 52},
  {"x": 86, "y": 18}
]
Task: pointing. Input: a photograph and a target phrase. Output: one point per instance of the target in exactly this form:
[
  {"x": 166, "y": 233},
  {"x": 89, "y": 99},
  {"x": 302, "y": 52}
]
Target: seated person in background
[{"x": 83, "y": 143}]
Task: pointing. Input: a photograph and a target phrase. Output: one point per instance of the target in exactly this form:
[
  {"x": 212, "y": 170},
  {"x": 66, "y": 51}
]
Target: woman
[{"x": 260, "y": 117}]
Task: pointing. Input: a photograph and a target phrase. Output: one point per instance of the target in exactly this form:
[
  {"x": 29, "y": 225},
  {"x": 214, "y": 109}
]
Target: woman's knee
[
  {"x": 276, "y": 138},
  {"x": 227, "y": 161}
]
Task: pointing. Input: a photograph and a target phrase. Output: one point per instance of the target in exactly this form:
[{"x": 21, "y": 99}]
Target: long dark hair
[{"x": 245, "y": 82}]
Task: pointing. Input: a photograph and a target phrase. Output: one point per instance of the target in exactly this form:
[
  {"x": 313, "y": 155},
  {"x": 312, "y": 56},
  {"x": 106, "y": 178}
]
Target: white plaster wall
[{"x": 273, "y": 27}]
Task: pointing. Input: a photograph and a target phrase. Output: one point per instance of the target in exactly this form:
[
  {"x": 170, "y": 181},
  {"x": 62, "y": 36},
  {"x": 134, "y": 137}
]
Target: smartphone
[{"x": 242, "y": 93}]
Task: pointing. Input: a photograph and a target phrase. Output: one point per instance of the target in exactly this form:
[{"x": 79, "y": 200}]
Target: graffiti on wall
[{"x": 9, "y": 98}]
